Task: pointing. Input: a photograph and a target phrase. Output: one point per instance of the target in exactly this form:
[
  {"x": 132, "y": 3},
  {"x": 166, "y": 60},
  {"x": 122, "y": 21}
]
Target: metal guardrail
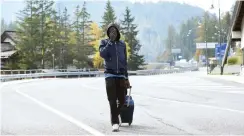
[
  {"x": 74, "y": 73},
  {"x": 4, "y": 72}
]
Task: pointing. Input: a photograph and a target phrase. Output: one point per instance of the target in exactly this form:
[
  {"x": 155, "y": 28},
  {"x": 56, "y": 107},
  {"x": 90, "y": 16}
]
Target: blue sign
[{"x": 220, "y": 51}]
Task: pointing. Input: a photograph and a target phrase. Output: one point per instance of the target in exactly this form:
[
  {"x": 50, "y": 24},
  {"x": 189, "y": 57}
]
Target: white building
[{"x": 8, "y": 42}]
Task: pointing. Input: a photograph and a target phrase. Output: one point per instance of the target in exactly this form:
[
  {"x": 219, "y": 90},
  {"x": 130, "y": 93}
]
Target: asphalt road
[{"x": 173, "y": 104}]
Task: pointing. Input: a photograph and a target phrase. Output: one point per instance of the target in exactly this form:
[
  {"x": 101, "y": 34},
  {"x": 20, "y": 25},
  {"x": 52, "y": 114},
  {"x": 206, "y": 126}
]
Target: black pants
[{"x": 116, "y": 90}]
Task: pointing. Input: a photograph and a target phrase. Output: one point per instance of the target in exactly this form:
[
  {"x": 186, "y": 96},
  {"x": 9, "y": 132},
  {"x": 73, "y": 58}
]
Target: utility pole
[
  {"x": 206, "y": 51},
  {"x": 53, "y": 61},
  {"x": 221, "y": 67},
  {"x": 42, "y": 35}
]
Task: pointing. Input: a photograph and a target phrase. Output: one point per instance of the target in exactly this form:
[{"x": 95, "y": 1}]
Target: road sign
[
  {"x": 210, "y": 45},
  {"x": 220, "y": 51},
  {"x": 176, "y": 51}
]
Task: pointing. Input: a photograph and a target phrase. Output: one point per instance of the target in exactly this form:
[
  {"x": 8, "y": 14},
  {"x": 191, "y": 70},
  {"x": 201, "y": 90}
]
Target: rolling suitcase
[{"x": 127, "y": 110}]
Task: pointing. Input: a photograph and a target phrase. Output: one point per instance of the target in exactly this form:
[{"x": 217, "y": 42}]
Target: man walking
[{"x": 113, "y": 51}]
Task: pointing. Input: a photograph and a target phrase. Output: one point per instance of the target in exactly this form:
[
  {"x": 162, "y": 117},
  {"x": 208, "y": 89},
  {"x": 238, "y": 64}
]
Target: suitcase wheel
[{"x": 129, "y": 123}]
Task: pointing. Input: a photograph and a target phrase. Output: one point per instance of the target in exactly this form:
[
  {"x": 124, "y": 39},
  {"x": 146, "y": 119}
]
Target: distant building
[{"x": 8, "y": 49}]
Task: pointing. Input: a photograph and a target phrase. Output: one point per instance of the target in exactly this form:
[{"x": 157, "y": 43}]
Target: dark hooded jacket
[{"x": 114, "y": 54}]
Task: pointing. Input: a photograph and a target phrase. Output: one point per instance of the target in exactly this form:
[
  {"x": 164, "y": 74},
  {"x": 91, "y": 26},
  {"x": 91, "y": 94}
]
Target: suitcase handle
[{"x": 128, "y": 102}]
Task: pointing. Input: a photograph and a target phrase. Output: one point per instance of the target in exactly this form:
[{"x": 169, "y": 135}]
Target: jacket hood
[{"x": 117, "y": 28}]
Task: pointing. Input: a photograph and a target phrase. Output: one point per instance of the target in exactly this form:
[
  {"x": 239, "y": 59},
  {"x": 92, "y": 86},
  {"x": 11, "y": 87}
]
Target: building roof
[
  {"x": 9, "y": 34},
  {"x": 7, "y": 49},
  {"x": 6, "y": 46},
  {"x": 238, "y": 15},
  {"x": 7, "y": 54}
]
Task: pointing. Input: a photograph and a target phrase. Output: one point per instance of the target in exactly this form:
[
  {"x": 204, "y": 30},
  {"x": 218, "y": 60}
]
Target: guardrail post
[{"x": 89, "y": 73}]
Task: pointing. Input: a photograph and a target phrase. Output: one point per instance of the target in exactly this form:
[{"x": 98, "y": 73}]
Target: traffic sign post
[{"x": 220, "y": 51}]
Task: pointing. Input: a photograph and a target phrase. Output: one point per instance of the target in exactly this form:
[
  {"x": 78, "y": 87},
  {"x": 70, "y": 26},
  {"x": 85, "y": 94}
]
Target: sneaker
[
  {"x": 120, "y": 121},
  {"x": 115, "y": 127}
]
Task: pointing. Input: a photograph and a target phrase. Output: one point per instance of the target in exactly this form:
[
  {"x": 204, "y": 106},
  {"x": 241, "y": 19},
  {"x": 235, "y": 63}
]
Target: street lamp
[{"x": 206, "y": 47}]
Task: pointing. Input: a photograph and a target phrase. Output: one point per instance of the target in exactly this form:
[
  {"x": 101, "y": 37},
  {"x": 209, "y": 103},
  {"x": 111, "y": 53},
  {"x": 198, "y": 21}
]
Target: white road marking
[
  {"x": 3, "y": 84},
  {"x": 217, "y": 91},
  {"x": 208, "y": 87},
  {"x": 192, "y": 104},
  {"x": 184, "y": 81},
  {"x": 178, "y": 102},
  {"x": 64, "y": 116},
  {"x": 17, "y": 82}
]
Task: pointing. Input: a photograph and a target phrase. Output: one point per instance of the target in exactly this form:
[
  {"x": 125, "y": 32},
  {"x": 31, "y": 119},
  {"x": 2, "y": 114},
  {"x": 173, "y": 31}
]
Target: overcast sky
[
  {"x": 225, "y": 5},
  {"x": 10, "y": 7}
]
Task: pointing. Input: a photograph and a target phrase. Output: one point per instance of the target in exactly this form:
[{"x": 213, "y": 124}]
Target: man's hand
[
  {"x": 127, "y": 83},
  {"x": 112, "y": 36}
]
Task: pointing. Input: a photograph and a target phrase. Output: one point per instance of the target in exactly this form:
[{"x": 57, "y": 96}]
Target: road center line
[{"x": 62, "y": 115}]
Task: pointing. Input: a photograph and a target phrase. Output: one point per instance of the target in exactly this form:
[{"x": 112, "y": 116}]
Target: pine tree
[
  {"x": 170, "y": 41},
  {"x": 128, "y": 29},
  {"x": 60, "y": 34},
  {"x": 28, "y": 33},
  {"x": 46, "y": 10},
  {"x": 183, "y": 38},
  {"x": 65, "y": 57},
  {"x": 86, "y": 28},
  {"x": 108, "y": 17},
  {"x": 53, "y": 43},
  {"x": 83, "y": 37},
  {"x": 78, "y": 51},
  {"x": 226, "y": 23},
  {"x": 192, "y": 26},
  {"x": 76, "y": 25}
]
